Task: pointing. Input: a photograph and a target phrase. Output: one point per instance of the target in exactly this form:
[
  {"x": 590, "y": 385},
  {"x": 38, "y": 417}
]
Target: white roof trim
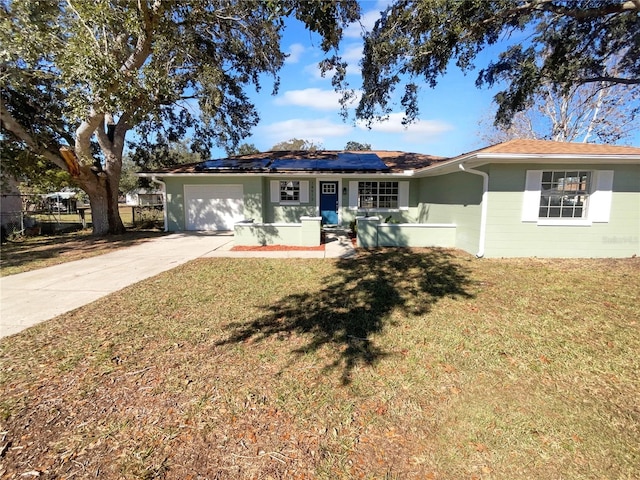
[{"x": 479, "y": 159}]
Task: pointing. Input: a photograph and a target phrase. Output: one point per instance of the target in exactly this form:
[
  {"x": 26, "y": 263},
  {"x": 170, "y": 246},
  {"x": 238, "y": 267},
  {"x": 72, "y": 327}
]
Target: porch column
[{"x": 310, "y": 233}]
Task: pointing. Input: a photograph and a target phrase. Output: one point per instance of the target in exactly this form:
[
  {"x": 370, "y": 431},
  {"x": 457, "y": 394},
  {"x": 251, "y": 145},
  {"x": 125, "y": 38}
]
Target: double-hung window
[
  {"x": 564, "y": 194},
  {"x": 567, "y": 197}
]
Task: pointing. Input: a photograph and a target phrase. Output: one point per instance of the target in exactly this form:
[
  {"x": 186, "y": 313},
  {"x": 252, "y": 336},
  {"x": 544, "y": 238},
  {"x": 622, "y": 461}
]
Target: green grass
[{"x": 396, "y": 364}]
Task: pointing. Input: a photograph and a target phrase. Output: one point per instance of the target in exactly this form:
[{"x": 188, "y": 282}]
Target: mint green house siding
[
  {"x": 262, "y": 203},
  {"x": 457, "y": 198},
  {"x": 521, "y": 198},
  {"x": 252, "y": 190},
  {"x": 507, "y": 235},
  {"x": 453, "y": 198},
  {"x": 281, "y": 212}
]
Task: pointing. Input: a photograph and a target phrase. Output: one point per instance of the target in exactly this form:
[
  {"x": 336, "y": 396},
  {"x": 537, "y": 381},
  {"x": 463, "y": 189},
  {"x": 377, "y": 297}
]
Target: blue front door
[{"x": 329, "y": 202}]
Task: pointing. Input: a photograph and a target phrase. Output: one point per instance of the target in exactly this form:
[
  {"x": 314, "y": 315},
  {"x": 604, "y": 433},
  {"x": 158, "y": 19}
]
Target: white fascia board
[
  {"x": 477, "y": 160},
  {"x": 554, "y": 158}
]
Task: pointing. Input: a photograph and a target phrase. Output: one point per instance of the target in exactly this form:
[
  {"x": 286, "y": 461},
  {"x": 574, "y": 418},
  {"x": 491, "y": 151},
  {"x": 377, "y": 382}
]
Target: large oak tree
[
  {"x": 564, "y": 43},
  {"x": 78, "y": 75}
]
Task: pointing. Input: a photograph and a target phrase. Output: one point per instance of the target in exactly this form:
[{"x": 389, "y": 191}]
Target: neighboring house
[
  {"x": 61, "y": 202},
  {"x": 515, "y": 199},
  {"x": 144, "y": 197}
]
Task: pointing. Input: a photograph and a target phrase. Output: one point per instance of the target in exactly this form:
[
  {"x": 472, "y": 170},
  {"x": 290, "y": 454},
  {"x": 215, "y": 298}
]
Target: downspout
[
  {"x": 483, "y": 211},
  {"x": 154, "y": 179}
]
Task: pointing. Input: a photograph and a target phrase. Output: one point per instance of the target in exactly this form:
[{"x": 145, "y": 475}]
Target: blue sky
[{"x": 307, "y": 107}]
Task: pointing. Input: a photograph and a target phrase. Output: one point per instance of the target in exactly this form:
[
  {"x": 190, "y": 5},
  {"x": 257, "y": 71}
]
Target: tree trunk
[
  {"x": 102, "y": 179},
  {"x": 103, "y": 196}
]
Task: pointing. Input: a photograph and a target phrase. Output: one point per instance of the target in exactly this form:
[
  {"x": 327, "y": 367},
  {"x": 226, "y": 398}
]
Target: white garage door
[{"x": 213, "y": 207}]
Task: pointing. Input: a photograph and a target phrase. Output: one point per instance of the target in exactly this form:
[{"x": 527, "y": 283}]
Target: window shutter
[
  {"x": 353, "y": 195},
  {"x": 403, "y": 195},
  {"x": 600, "y": 198},
  {"x": 275, "y": 191},
  {"x": 531, "y": 196},
  {"x": 304, "y": 191}
]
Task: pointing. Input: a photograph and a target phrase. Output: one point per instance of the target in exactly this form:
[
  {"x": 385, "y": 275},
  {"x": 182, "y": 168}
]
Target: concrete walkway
[{"x": 29, "y": 298}]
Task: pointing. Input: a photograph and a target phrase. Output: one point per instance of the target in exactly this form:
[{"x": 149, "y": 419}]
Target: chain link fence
[{"x": 31, "y": 215}]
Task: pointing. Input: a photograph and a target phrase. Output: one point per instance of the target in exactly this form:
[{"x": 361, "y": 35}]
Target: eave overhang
[
  {"x": 479, "y": 159},
  {"x": 406, "y": 173}
]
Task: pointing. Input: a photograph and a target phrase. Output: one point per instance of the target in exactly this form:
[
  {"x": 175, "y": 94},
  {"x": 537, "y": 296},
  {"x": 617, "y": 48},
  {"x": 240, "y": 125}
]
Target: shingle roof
[
  {"x": 400, "y": 161},
  {"x": 397, "y": 162},
  {"x": 541, "y": 147}
]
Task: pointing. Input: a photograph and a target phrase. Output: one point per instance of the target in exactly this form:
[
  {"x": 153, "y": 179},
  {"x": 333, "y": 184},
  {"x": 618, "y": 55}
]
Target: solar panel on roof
[
  {"x": 344, "y": 162},
  {"x": 362, "y": 161},
  {"x": 294, "y": 164},
  {"x": 233, "y": 164}
]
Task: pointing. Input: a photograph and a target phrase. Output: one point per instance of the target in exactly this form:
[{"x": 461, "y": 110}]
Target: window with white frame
[
  {"x": 328, "y": 188},
  {"x": 564, "y": 194},
  {"x": 376, "y": 195},
  {"x": 289, "y": 191},
  {"x": 567, "y": 197}
]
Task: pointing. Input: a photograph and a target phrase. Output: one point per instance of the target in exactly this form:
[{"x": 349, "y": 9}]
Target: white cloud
[
  {"x": 310, "y": 97},
  {"x": 352, "y": 53},
  {"x": 295, "y": 53},
  {"x": 416, "y": 132},
  {"x": 315, "y": 129}
]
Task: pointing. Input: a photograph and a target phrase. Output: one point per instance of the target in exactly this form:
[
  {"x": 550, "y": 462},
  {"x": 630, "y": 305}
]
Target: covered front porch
[{"x": 369, "y": 231}]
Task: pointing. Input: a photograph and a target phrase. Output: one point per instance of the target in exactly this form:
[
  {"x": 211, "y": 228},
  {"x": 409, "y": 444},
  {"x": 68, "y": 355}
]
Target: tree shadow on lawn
[{"x": 358, "y": 302}]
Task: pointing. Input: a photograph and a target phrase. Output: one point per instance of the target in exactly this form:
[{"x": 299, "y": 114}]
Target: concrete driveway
[{"x": 32, "y": 297}]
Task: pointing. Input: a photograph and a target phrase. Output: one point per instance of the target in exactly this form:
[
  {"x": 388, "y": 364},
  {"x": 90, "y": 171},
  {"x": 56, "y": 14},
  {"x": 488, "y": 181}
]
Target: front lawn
[
  {"x": 32, "y": 253},
  {"x": 401, "y": 364}
]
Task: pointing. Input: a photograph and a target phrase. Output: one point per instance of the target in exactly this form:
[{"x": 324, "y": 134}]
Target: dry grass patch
[
  {"x": 31, "y": 253},
  {"x": 396, "y": 364}
]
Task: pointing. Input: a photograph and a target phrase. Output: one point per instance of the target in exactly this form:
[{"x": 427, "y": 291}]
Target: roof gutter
[
  {"x": 483, "y": 211},
  {"x": 163, "y": 185}
]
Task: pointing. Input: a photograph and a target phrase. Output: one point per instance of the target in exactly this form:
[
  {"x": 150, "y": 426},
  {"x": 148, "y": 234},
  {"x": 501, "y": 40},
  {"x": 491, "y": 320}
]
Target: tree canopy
[
  {"x": 243, "y": 149},
  {"x": 357, "y": 146},
  {"x": 566, "y": 43},
  {"x": 77, "y": 76},
  {"x": 296, "y": 144}
]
